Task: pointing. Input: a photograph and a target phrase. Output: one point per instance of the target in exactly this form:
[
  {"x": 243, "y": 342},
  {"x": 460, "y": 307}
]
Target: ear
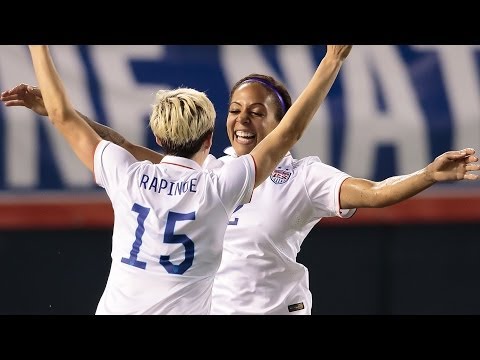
[
  {"x": 158, "y": 141},
  {"x": 207, "y": 144}
]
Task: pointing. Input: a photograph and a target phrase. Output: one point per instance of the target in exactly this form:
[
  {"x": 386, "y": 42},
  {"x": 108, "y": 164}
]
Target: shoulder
[
  {"x": 226, "y": 158},
  {"x": 211, "y": 162},
  {"x": 110, "y": 154},
  {"x": 312, "y": 167},
  {"x": 230, "y": 166},
  {"x": 306, "y": 162}
]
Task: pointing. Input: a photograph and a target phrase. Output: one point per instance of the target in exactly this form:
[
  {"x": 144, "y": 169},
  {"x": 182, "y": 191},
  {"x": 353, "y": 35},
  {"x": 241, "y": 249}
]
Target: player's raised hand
[
  {"x": 339, "y": 51},
  {"x": 25, "y": 95},
  {"x": 454, "y": 165}
]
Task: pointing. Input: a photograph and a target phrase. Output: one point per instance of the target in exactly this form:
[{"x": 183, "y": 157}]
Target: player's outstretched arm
[
  {"x": 450, "y": 166},
  {"x": 81, "y": 137},
  {"x": 31, "y": 97},
  {"x": 274, "y": 146}
]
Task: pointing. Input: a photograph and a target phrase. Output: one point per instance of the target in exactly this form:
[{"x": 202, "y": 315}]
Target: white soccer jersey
[
  {"x": 259, "y": 273},
  {"x": 170, "y": 221}
]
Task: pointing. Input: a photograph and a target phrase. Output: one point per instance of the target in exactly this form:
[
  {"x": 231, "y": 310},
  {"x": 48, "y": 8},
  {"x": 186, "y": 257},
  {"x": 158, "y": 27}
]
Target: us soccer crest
[{"x": 280, "y": 176}]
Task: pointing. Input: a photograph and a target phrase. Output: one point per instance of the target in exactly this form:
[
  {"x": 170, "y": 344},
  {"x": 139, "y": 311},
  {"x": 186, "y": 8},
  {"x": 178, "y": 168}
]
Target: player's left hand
[{"x": 454, "y": 165}]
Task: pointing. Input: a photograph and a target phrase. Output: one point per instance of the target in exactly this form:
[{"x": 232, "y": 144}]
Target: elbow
[{"x": 58, "y": 114}]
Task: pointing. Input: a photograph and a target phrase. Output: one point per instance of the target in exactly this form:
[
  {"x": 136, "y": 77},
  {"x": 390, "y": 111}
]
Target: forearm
[
  {"x": 309, "y": 101},
  {"x": 139, "y": 152},
  {"x": 270, "y": 150},
  {"x": 75, "y": 130},
  {"x": 104, "y": 131},
  {"x": 320, "y": 84},
  {"x": 398, "y": 188},
  {"x": 54, "y": 97},
  {"x": 304, "y": 108}
]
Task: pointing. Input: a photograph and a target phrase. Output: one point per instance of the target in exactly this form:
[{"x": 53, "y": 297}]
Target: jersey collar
[
  {"x": 230, "y": 151},
  {"x": 180, "y": 161}
]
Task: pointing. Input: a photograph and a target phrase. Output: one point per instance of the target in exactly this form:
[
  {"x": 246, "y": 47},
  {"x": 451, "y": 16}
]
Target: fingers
[
  {"x": 34, "y": 90},
  {"x": 469, "y": 151},
  {"x": 471, "y": 159},
  {"x": 14, "y": 103},
  {"x": 472, "y": 167},
  {"x": 454, "y": 155},
  {"x": 13, "y": 98},
  {"x": 21, "y": 89},
  {"x": 9, "y": 97},
  {"x": 17, "y": 89},
  {"x": 469, "y": 176}
]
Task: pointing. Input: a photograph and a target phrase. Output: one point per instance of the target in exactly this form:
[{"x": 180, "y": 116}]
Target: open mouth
[{"x": 244, "y": 137}]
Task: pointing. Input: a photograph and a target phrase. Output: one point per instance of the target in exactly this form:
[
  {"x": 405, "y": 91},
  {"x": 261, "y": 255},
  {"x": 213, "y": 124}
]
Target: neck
[{"x": 200, "y": 157}]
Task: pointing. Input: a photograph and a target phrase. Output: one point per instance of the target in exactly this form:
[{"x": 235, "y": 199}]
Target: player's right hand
[{"x": 25, "y": 95}]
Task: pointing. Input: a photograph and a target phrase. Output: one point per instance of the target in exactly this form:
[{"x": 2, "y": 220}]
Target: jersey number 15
[{"x": 168, "y": 238}]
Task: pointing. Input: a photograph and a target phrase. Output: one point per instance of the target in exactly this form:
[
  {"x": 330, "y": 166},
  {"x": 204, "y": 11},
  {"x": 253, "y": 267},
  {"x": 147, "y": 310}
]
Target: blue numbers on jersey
[
  {"x": 142, "y": 215},
  {"x": 168, "y": 238}
]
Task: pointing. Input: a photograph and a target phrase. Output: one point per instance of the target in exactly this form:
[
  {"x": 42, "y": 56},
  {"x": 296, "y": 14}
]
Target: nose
[{"x": 243, "y": 117}]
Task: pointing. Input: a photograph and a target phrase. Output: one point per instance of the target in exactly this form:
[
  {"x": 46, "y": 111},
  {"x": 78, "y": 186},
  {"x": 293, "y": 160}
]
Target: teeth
[{"x": 244, "y": 134}]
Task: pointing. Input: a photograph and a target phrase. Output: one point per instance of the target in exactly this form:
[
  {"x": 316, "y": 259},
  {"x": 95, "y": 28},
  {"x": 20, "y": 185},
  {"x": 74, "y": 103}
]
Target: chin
[{"x": 243, "y": 149}]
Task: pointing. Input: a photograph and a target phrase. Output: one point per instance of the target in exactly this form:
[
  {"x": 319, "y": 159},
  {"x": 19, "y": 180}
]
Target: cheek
[{"x": 230, "y": 124}]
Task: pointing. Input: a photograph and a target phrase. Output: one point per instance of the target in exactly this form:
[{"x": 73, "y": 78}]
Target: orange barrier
[
  {"x": 417, "y": 210},
  {"x": 95, "y": 211},
  {"x": 55, "y": 212}
]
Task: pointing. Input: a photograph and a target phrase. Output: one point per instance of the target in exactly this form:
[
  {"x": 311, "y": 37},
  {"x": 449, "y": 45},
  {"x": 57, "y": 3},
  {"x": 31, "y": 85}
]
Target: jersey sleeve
[
  {"x": 235, "y": 181},
  {"x": 323, "y": 183},
  {"x": 111, "y": 163}
]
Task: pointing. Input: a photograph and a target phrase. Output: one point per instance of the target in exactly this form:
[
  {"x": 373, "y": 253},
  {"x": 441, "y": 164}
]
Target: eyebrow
[{"x": 237, "y": 103}]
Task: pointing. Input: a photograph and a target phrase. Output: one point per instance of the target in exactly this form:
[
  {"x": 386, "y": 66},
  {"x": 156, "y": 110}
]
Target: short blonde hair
[{"x": 181, "y": 117}]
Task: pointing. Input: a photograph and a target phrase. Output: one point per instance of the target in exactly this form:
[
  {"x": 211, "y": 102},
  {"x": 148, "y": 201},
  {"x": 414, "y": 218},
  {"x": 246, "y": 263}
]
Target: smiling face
[{"x": 251, "y": 116}]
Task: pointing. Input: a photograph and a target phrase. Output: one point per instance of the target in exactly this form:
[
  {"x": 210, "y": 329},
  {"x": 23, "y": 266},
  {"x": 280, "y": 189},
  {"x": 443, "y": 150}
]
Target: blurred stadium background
[{"x": 393, "y": 109}]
